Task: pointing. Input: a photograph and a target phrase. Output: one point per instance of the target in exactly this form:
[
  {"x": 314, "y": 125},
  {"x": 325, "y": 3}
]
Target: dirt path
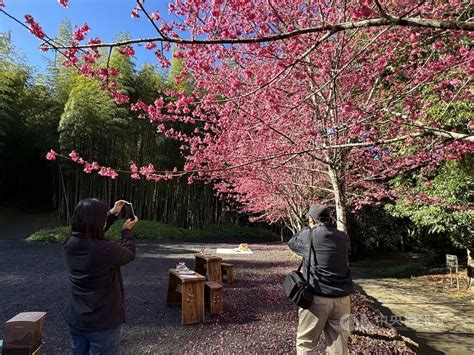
[
  {"x": 441, "y": 324},
  {"x": 257, "y": 317}
]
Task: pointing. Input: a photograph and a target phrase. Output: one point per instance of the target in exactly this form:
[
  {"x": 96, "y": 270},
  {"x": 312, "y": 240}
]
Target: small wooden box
[{"x": 23, "y": 334}]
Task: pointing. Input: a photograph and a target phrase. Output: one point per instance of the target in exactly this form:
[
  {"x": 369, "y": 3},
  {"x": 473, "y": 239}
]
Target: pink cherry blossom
[
  {"x": 150, "y": 45},
  {"x": 135, "y": 13},
  {"x": 108, "y": 172},
  {"x": 127, "y": 51},
  {"x": 147, "y": 170},
  {"x": 120, "y": 98},
  {"x": 51, "y": 155},
  {"x": 35, "y": 28},
  {"x": 81, "y": 32},
  {"x": 133, "y": 167},
  {"x": 74, "y": 156},
  {"x": 159, "y": 103},
  {"x": 94, "y": 41},
  {"x": 88, "y": 168}
]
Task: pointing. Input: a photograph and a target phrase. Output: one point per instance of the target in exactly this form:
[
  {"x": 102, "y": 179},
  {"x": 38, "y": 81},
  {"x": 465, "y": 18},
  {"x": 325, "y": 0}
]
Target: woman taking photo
[{"x": 95, "y": 309}]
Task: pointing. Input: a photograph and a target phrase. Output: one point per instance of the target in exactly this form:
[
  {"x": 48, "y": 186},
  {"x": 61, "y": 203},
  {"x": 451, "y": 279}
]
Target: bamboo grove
[{"x": 61, "y": 109}]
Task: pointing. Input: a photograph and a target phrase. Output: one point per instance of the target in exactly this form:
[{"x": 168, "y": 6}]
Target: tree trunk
[
  {"x": 339, "y": 198},
  {"x": 470, "y": 266}
]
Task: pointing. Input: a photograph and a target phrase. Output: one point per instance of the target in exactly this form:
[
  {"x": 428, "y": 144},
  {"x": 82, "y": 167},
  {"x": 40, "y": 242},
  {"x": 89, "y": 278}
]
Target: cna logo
[{"x": 349, "y": 322}]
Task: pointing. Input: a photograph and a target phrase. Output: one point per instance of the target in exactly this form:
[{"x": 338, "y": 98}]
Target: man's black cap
[{"x": 317, "y": 211}]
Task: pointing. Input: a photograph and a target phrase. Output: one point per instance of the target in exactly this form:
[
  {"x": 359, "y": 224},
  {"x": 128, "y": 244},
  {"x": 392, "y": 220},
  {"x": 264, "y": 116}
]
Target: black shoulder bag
[{"x": 296, "y": 287}]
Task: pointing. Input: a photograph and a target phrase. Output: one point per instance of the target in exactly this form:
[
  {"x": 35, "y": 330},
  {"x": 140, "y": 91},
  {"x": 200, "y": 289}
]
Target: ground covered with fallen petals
[
  {"x": 442, "y": 282},
  {"x": 257, "y": 317}
]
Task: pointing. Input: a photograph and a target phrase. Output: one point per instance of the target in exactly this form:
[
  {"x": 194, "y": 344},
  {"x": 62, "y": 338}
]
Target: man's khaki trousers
[{"x": 325, "y": 315}]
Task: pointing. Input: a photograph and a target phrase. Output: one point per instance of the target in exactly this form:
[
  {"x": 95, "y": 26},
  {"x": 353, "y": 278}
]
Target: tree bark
[
  {"x": 339, "y": 198},
  {"x": 470, "y": 266}
]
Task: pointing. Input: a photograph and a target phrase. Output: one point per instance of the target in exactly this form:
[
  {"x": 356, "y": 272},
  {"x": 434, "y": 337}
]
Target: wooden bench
[
  {"x": 213, "y": 295},
  {"x": 209, "y": 266},
  {"x": 227, "y": 272},
  {"x": 187, "y": 291}
]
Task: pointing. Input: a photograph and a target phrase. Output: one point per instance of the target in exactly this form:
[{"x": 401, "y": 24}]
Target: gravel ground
[{"x": 257, "y": 317}]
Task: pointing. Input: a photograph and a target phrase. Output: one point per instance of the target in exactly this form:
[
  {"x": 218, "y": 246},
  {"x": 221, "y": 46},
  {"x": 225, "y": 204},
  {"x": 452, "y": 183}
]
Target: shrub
[
  {"x": 50, "y": 235},
  {"x": 151, "y": 230}
]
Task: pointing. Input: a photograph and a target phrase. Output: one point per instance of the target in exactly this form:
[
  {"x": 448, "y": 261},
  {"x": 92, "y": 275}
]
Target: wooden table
[
  {"x": 209, "y": 265},
  {"x": 187, "y": 291}
]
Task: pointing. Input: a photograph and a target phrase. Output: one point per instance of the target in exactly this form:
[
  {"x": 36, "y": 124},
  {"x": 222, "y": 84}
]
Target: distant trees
[{"x": 62, "y": 110}]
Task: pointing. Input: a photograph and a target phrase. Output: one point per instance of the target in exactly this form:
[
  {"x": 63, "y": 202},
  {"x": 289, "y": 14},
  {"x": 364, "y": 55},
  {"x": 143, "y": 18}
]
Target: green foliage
[
  {"x": 371, "y": 228},
  {"x": 41, "y": 115},
  {"x": 124, "y": 65},
  {"x": 87, "y": 114},
  {"x": 29, "y": 115},
  {"x": 148, "y": 82},
  {"x": 50, "y": 235},
  {"x": 148, "y": 230},
  {"x": 379, "y": 267},
  {"x": 451, "y": 183},
  {"x": 12, "y": 83},
  {"x": 394, "y": 264},
  {"x": 151, "y": 230},
  {"x": 454, "y": 184},
  {"x": 176, "y": 74},
  {"x": 61, "y": 78},
  {"x": 454, "y": 115},
  {"x": 9, "y": 57}
]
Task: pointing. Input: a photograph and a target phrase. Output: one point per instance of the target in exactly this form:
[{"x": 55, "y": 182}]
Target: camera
[{"x": 129, "y": 212}]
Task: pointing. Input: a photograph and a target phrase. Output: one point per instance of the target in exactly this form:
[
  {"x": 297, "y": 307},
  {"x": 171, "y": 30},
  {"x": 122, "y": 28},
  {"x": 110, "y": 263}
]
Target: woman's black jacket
[{"x": 96, "y": 298}]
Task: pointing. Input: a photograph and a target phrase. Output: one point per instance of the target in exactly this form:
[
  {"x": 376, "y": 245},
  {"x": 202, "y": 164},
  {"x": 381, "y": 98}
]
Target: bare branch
[
  {"x": 377, "y": 22},
  {"x": 435, "y": 131},
  {"x": 312, "y": 187},
  {"x": 443, "y": 133},
  {"x": 382, "y": 11},
  {"x": 140, "y": 4}
]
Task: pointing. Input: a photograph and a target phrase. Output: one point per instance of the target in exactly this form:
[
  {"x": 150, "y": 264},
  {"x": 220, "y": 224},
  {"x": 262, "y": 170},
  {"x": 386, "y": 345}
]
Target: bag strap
[
  {"x": 310, "y": 253},
  {"x": 311, "y": 250}
]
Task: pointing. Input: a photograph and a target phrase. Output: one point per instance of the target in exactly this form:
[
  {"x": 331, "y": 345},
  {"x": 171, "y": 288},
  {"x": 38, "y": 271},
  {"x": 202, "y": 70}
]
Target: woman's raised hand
[
  {"x": 129, "y": 223},
  {"x": 118, "y": 206}
]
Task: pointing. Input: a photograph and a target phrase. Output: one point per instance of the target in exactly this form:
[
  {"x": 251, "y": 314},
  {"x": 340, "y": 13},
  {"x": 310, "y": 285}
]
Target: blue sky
[{"x": 104, "y": 17}]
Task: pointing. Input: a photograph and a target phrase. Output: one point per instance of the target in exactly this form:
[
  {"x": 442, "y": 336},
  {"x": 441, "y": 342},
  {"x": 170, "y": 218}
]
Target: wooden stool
[
  {"x": 228, "y": 272},
  {"x": 208, "y": 265},
  {"x": 214, "y": 296},
  {"x": 187, "y": 291}
]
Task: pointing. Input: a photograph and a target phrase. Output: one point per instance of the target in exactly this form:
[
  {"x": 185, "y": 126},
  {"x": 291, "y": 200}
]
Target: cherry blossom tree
[{"x": 301, "y": 101}]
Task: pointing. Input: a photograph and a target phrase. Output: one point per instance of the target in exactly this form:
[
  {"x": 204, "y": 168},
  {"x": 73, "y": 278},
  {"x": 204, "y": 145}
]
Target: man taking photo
[{"x": 330, "y": 279}]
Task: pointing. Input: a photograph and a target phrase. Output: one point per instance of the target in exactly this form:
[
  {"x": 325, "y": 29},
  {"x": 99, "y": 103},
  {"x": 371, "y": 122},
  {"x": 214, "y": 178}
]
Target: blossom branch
[
  {"x": 53, "y": 44},
  {"x": 377, "y": 22}
]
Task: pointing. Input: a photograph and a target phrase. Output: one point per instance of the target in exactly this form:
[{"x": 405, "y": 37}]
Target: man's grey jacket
[{"x": 329, "y": 271}]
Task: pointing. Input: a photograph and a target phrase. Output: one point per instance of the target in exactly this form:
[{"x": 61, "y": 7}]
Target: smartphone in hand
[{"x": 129, "y": 212}]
